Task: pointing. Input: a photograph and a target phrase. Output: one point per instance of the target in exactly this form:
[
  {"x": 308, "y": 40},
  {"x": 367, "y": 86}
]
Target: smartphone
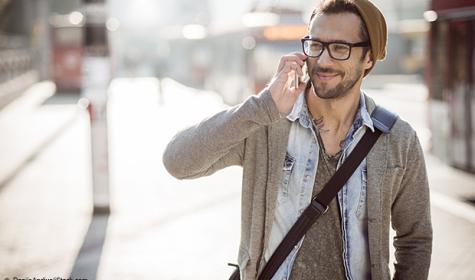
[{"x": 304, "y": 79}]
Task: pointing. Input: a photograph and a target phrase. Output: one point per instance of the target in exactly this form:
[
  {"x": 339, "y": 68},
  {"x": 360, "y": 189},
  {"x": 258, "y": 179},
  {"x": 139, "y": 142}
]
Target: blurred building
[
  {"x": 450, "y": 78},
  {"x": 23, "y": 46},
  {"x": 32, "y": 41}
]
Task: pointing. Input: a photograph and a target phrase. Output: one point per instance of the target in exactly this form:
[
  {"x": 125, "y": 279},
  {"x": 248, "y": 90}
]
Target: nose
[{"x": 325, "y": 58}]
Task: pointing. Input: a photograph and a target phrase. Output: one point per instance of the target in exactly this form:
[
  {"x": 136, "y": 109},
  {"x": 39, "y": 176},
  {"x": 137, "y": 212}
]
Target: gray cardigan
[{"x": 254, "y": 135}]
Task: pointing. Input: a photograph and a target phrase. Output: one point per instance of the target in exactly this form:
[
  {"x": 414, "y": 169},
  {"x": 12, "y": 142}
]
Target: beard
[{"x": 341, "y": 89}]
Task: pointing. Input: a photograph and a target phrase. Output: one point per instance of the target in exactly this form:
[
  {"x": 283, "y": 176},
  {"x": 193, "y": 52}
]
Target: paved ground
[{"x": 159, "y": 227}]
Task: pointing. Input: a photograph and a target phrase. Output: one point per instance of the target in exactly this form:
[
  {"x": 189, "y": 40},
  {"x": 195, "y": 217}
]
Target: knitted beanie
[{"x": 376, "y": 25}]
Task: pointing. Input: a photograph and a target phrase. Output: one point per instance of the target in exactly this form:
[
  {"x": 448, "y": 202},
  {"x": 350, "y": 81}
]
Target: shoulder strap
[{"x": 383, "y": 121}]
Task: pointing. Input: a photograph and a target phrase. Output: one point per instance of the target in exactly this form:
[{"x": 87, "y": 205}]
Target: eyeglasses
[{"x": 337, "y": 50}]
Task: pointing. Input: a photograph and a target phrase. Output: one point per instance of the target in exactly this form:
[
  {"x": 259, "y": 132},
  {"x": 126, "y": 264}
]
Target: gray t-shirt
[{"x": 320, "y": 256}]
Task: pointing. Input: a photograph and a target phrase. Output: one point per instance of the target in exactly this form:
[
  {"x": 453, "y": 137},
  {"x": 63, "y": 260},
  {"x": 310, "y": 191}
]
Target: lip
[{"x": 326, "y": 76}]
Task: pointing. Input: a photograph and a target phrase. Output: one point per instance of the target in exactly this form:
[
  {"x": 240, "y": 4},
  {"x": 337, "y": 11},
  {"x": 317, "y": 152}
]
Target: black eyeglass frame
[{"x": 327, "y": 44}]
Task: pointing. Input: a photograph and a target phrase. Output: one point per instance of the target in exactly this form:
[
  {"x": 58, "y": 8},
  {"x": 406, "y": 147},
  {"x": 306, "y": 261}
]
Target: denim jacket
[{"x": 295, "y": 193}]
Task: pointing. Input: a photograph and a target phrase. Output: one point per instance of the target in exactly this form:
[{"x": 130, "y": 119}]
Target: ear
[{"x": 368, "y": 61}]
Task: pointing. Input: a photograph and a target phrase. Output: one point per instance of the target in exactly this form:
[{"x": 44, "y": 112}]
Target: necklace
[{"x": 329, "y": 161}]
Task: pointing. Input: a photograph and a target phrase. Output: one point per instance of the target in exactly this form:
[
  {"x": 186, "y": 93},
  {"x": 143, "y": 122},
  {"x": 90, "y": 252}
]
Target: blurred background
[{"x": 92, "y": 91}]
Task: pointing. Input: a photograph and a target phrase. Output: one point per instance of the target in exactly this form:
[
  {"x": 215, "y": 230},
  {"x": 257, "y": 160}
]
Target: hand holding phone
[
  {"x": 299, "y": 80},
  {"x": 286, "y": 85}
]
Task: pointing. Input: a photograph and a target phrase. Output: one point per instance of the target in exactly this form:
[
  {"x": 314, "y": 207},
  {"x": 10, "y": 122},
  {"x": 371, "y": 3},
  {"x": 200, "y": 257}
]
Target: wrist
[{"x": 271, "y": 105}]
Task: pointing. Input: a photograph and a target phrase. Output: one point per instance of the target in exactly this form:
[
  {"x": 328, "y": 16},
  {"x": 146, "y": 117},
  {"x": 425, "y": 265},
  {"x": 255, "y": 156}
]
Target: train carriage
[{"x": 450, "y": 78}]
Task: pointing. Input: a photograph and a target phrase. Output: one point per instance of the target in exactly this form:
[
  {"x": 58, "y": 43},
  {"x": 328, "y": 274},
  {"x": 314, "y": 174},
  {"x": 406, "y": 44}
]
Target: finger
[
  {"x": 292, "y": 66},
  {"x": 296, "y": 57},
  {"x": 298, "y": 69},
  {"x": 295, "y": 67},
  {"x": 283, "y": 61},
  {"x": 296, "y": 81},
  {"x": 287, "y": 68},
  {"x": 283, "y": 76},
  {"x": 294, "y": 77},
  {"x": 290, "y": 73},
  {"x": 299, "y": 89},
  {"x": 300, "y": 55}
]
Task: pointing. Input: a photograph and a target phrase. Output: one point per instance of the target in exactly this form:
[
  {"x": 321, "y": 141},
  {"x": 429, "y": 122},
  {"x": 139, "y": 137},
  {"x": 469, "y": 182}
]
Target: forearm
[
  {"x": 412, "y": 220},
  {"x": 218, "y": 141}
]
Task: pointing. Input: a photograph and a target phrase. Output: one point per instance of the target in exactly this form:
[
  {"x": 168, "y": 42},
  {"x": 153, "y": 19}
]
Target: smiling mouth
[{"x": 326, "y": 76}]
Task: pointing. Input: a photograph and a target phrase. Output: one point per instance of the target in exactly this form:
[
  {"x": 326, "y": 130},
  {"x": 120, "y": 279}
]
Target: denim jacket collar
[{"x": 300, "y": 111}]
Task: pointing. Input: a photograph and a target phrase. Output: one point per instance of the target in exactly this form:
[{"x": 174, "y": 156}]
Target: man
[{"x": 290, "y": 140}]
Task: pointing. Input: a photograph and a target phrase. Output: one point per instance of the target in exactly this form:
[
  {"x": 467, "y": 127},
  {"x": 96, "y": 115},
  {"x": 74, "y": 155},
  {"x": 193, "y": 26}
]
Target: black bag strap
[{"x": 383, "y": 121}]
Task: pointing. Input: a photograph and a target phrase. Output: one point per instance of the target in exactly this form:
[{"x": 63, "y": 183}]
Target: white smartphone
[{"x": 304, "y": 79}]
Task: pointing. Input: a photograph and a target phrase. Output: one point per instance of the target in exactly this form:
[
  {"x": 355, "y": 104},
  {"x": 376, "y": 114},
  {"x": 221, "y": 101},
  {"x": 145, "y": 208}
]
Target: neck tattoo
[{"x": 319, "y": 125}]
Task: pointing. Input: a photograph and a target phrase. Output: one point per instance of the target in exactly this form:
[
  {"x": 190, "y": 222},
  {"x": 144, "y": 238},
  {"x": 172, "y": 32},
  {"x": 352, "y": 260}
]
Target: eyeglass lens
[{"x": 337, "y": 50}]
